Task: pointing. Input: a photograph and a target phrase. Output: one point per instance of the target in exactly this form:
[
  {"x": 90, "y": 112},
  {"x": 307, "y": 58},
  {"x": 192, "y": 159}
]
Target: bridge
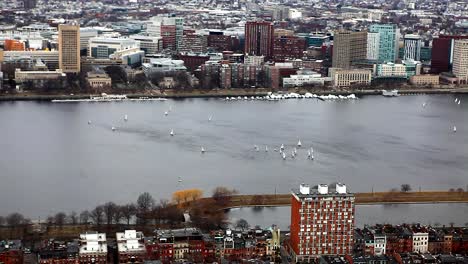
[{"x": 374, "y": 198}]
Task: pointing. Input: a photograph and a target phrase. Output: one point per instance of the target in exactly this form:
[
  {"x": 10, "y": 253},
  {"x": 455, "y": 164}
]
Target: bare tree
[
  {"x": 60, "y": 218},
  {"x": 460, "y": 190},
  {"x": 145, "y": 203},
  {"x": 84, "y": 217},
  {"x": 405, "y": 187},
  {"x": 110, "y": 210},
  {"x": 242, "y": 224},
  {"x": 222, "y": 194},
  {"x": 15, "y": 219},
  {"x": 50, "y": 220},
  {"x": 2, "y": 221},
  {"x": 73, "y": 218},
  {"x": 97, "y": 215},
  {"x": 128, "y": 211}
]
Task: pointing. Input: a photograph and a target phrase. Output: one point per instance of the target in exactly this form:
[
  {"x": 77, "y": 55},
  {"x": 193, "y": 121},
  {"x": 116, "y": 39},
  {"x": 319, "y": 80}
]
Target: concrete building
[
  {"x": 102, "y": 48},
  {"x": 131, "y": 57},
  {"x": 69, "y": 48},
  {"x": 460, "y": 60},
  {"x": 425, "y": 79},
  {"x": 23, "y": 76},
  {"x": 348, "y": 47},
  {"x": 322, "y": 221},
  {"x": 150, "y": 45},
  {"x": 347, "y": 78},
  {"x": 163, "y": 65},
  {"x": 380, "y": 244},
  {"x": 412, "y": 46},
  {"x": 192, "y": 42},
  {"x": 254, "y": 60},
  {"x": 167, "y": 27},
  {"x": 389, "y": 35},
  {"x": 373, "y": 44},
  {"x": 85, "y": 35},
  {"x": 93, "y": 248},
  {"x": 98, "y": 80},
  {"x": 130, "y": 247},
  {"x": 303, "y": 78},
  {"x": 50, "y": 58},
  {"x": 259, "y": 38}
]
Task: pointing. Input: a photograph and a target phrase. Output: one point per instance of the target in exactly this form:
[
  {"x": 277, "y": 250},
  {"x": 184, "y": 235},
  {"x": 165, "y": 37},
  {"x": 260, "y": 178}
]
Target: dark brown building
[
  {"x": 259, "y": 39},
  {"x": 288, "y": 47}
]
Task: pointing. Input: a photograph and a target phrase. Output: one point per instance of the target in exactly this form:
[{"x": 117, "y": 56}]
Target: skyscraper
[
  {"x": 460, "y": 60},
  {"x": 322, "y": 221},
  {"x": 167, "y": 27},
  {"x": 348, "y": 46},
  {"x": 389, "y": 35},
  {"x": 442, "y": 53},
  {"x": 259, "y": 38},
  {"x": 69, "y": 48},
  {"x": 412, "y": 46}
]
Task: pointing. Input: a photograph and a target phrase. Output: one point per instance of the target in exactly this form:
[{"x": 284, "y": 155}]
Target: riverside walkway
[{"x": 375, "y": 198}]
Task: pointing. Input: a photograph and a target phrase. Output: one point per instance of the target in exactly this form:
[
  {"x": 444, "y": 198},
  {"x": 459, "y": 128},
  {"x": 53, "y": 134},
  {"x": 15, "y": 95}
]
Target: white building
[
  {"x": 420, "y": 242},
  {"x": 149, "y": 44},
  {"x": 254, "y": 60},
  {"x": 163, "y": 65},
  {"x": 346, "y": 78},
  {"x": 93, "y": 248},
  {"x": 405, "y": 69},
  {"x": 130, "y": 246},
  {"x": 373, "y": 42},
  {"x": 460, "y": 60},
  {"x": 153, "y": 28},
  {"x": 380, "y": 243},
  {"x": 51, "y": 58},
  {"x": 412, "y": 46},
  {"x": 85, "y": 35},
  {"x": 303, "y": 78},
  {"x": 102, "y": 48}
]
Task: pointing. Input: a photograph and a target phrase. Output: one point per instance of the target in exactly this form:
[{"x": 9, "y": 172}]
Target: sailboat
[
  {"x": 311, "y": 150},
  {"x": 312, "y": 157},
  {"x": 256, "y": 148},
  {"x": 113, "y": 128},
  {"x": 293, "y": 155},
  {"x": 202, "y": 150},
  {"x": 209, "y": 118},
  {"x": 89, "y": 122},
  {"x": 454, "y": 129},
  {"x": 180, "y": 180},
  {"x": 456, "y": 100},
  {"x": 299, "y": 143},
  {"x": 282, "y": 147},
  {"x": 284, "y": 155},
  {"x": 266, "y": 148},
  {"x": 459, "y": 101},
  {"x": 424, "y": 104},
  {"x": 166, "y": 113},
  {"x": 125, "y": 117},
  {"x": 309, "y": 155},
  {"x": 172, "y": 132},
  {"x": 295, "y": 151}
]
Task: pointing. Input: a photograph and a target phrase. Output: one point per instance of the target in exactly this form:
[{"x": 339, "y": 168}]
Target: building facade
[
  {"x": 69, "y": 48},
  {"x": 347, "y": 78},
  {"x": 348, "y": 47},
  {"x": 389, "y": 35},
  {"x": 425, "y": 79},
  {"x": 412, "y": 46},
  {"x": 102, "y": 48},
  {"x": 130, "y": 247},
  {"x": 373, "y": 43},
  {"x": 93, "y": 248},
  {"x": 442, "y": 53},
  {"x": 288, "y": 47},
  {"x": 460, "y": 60},
  {"x": 259, "y": 38},
  {"x": 322, "y": 221}
]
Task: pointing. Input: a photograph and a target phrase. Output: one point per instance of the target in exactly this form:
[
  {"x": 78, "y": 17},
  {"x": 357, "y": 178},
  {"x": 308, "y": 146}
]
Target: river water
[{"x": 52, "y": 160}]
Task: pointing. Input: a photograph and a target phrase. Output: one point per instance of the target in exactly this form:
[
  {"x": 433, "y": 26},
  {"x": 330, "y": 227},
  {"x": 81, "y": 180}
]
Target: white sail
[{"x": 172, "y": 132}]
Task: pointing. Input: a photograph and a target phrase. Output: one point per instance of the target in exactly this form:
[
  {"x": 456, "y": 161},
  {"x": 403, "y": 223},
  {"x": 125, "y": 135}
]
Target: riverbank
[{"x": 221, "y": 93}]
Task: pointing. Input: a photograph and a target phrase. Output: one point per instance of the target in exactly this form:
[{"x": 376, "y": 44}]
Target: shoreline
[{"x": 227, "y": 93}]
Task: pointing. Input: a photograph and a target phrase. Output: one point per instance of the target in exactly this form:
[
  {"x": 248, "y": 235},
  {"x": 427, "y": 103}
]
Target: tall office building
[
  {"x": 412, "y": 46},
  {"x": 460, "y": 60},
  {"x": 348, "y": 46},
  {"x": 442, "y": 53},
  {"x": 322, "y": 221},
  {"x": 373, "y": 42},
  {"x": 69, "y": 48},
  {"x": 389, "y": 35},
  {"x": 162, "y": 26},
  {"x": 259, "y": 38}
]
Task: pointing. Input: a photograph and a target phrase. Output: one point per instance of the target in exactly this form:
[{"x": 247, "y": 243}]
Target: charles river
[{"x": 52, "y": 160}]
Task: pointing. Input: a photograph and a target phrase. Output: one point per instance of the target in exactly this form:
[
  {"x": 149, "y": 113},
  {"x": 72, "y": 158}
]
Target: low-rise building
[
  {"x": 395, "y": 70},
  {"x": 50, "y": 58},
  {"x": 347, "y": 78},
  {"x": 425, "y": 79},
  {"x": 98, "y": 80},
  {"x": 58, "y": 252},
  {"x": 303, "y": 78},
  {"x": 420, "y": 241},
  {"x": 22, "y": 76},
  {"x": 93, "y": 248},
  {"x": 130, "y": 247},
  {"x": 163, "y": 65}
]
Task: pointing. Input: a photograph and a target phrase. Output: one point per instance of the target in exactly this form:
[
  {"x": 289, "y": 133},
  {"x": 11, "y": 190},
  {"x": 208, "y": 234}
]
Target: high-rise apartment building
[
  {"x": 69, "y": 48},
  {"x": 348, "y": 46},
  {"x": 322, "y": 221},
  {"x": 373, "y": 43},
  {"x": 460, "y": 60},
  {"x": 170, "y": 28},
  {"x": 442, "y": 53},
  {"x": 288, "y": 47},
  {"x": 259, "y": 38},
  {"x": 412, "y": 46},
  {"x": 389, "y": 35}
]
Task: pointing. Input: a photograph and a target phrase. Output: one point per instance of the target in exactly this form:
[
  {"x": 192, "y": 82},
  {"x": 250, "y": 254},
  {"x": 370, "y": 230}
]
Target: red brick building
[
  {"x": 11, "y": 252},
  {"x": 192, "y": 62},
  {"x": 259, "y": 38},
  {"x": 168, "y": 34},
  {"x": 13, "y": 45},
  {"x": 322, "y": 221},
  {"x": 288, "y": 47},
  {"x": 220, "y": 42}
]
